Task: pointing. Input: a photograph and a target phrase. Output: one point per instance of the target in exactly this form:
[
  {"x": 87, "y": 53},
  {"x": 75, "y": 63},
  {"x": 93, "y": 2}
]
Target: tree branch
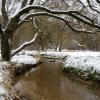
[
  {"x": 24, "y": 3},
  {"x": 4, "y": 13},
  {"x": 65, "y": 3},
  {"x": 88, "y": 1},
  {"x": 31, "y": 2},
  {"x": 45, "y": 2},
  {"x": 11, "y": 7},
  {"x": 48, "y": 12},
  {"x": 57, "y": 17},
  {"x": 1, "y": 31},
  {"x": 24, "y": 45},
  {"x": 32, "y": 7},
  {"x": 30, "y": 42},
  {"x": 84, "y": 19},
  {"x": 98, "y": 1}
]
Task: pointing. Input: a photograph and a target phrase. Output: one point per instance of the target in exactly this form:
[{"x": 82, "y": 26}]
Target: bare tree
[{"x": 16, "y": 12}]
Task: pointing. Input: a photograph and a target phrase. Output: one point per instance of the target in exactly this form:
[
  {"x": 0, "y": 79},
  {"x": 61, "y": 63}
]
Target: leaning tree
[{"x": 81, "y": 16}]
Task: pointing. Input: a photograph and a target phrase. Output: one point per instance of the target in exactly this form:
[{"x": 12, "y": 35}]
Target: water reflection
[{"x": 47, "y": 82}]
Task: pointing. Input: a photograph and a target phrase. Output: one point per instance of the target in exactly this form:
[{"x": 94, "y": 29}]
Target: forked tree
[{"x": 77, "y": 15}]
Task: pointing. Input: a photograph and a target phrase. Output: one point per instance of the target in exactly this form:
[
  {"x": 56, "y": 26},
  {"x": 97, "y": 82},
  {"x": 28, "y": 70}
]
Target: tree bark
[{"x": 5, "y": 47}]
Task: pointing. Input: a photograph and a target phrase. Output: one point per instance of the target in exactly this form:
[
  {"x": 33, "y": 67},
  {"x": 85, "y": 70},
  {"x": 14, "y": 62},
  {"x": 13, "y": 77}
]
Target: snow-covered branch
[
  {"x": 3, "y": 10},
  {"x": 31, "y": 2},
  {"x": 74, "y": 14},
  {"x": 98, "y": 1},
  {"x": 25, "y": 45},
  {"x": 24, "y": 3},
  {"x": 76, "y": 11},
  {"x": 92, "y": 8},
  {"x": 45, "y": 2},
  {"x": 57, "y": 17},
  {"x": 1, "y": 31}
]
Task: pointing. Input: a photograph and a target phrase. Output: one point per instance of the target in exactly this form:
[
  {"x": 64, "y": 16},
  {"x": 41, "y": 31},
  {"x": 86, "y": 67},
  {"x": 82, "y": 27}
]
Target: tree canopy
[{"x": 81, "y": 16}]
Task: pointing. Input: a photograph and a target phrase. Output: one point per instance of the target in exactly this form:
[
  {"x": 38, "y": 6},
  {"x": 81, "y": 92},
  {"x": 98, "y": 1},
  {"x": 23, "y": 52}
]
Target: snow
[
  {"x": 71, "y": 53},
  {"x": 2, "y": 90},
  {"x": 16, "y": 9},
  {"x": 10, "y": 5},
  {"x": 3, "y": 73},
  {"x": 22, "y": 59},
  {"x": 26, "y": 52},
  {"x": 79, "y": 59},
  {"x": 83, "y": 62},
  {"x": 1, "y": 78},
  {"x": 25, "y": 59}
]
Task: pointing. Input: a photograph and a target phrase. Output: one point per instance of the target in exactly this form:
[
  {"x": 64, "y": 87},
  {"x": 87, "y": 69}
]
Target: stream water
[{"x": 48, "y": 82}]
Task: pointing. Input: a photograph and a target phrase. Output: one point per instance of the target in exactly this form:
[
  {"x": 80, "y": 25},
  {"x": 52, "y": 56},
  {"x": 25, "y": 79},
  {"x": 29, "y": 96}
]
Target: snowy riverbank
[
  {"x": 85, "y": 64},
  {"x": 82, "y": 63},
  {"x": 8, "y": 71},
  {"x": 77, "y": 59}
]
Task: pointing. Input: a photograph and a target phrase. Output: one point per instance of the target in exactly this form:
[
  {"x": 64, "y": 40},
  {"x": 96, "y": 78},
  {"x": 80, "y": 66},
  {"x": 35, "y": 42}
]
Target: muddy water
[{"x": 47, "y": 82}]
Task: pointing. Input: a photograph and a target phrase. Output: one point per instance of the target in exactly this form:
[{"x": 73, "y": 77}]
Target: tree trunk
[{"x": 5, "y": 47}]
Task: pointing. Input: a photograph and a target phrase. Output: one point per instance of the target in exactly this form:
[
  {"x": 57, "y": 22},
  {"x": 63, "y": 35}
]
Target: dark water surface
[{"x": 48, "y": 82}]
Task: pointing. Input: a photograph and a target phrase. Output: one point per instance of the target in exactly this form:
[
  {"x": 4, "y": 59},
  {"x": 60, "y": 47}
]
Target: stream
[{"x": 48, "y": 82}]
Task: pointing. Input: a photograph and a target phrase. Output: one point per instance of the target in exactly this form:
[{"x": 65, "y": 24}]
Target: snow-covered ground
[
  {"x": 78, "y": 59},
  {"x": 4, "y": 77},
  {"x": 20, "y": 59},
  {"x": 25, "y": 59},
  {"x": 84, "y": 60},
  {"x": 71, "y": 53}
]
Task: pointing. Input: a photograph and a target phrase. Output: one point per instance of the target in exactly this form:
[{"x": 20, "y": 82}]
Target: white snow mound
[
  {"x": 83, "y": 62},
  {"x": 25, "y": 59}
]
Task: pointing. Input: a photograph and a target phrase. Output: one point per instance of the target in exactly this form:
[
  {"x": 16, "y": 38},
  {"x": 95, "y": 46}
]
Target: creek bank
[
  {"x": 48, "y": 82},
  {"x": 84, "y": 64},
  {"x": 8, "y": 71},
  {"x": 25, "y": 63},
  {"x": 86, "y": 67}
]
